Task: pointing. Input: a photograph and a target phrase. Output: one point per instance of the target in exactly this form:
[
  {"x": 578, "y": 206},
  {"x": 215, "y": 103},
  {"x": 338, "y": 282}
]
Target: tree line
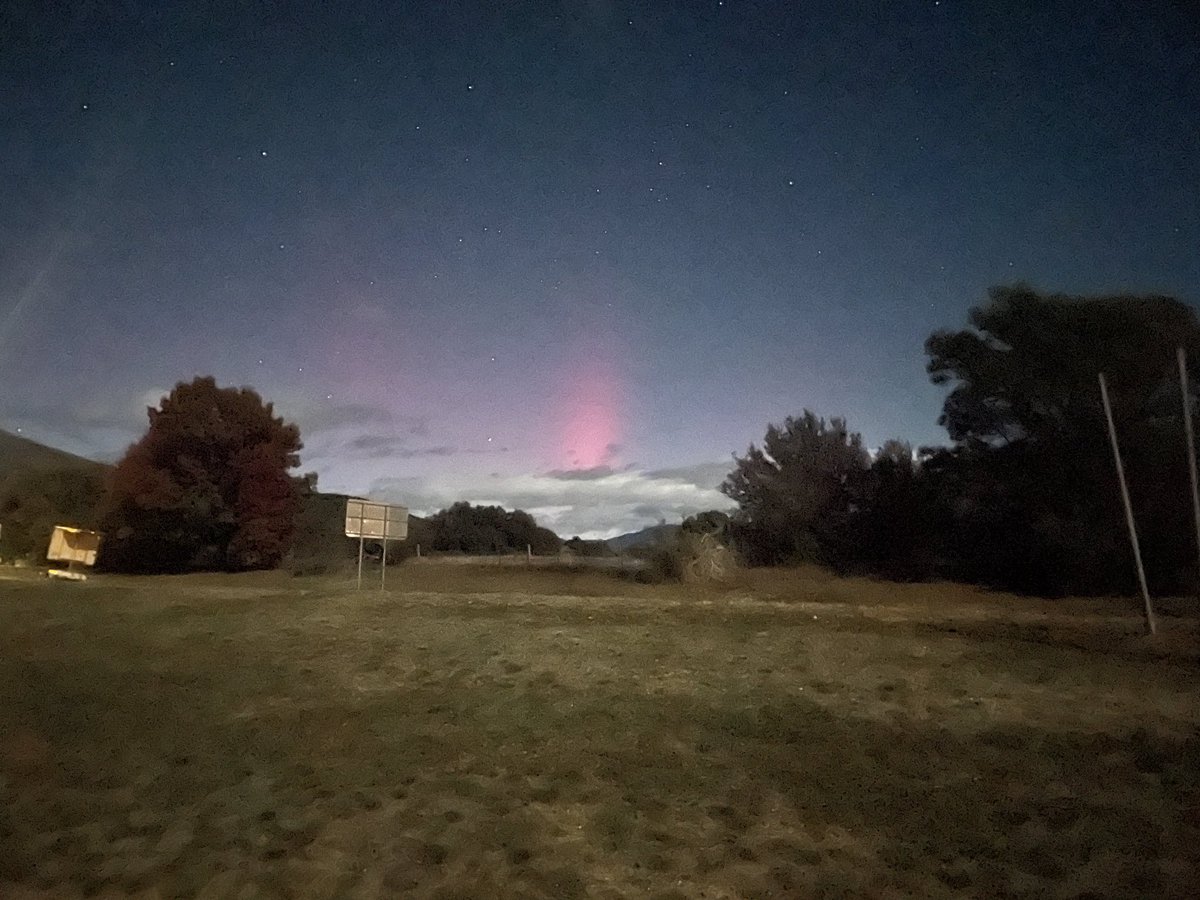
[
  {"x": 209, "y": 487},
  {"x": 1026, "y": 495}
]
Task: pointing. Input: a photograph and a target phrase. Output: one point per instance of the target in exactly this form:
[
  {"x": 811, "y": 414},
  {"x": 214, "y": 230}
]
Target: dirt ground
[{"x": 537, "y": 733}]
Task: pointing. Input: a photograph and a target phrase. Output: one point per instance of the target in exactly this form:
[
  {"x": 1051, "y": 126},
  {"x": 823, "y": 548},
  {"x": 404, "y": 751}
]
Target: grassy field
[{"x": 479, "y": 733}]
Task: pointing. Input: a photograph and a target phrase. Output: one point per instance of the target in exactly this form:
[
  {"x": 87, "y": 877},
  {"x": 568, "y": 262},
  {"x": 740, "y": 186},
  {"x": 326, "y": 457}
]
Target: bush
[
  {"x": 690, "y": 558},
  {"x": 464, "y": 528},
  {"x": 663, "y": 564}
]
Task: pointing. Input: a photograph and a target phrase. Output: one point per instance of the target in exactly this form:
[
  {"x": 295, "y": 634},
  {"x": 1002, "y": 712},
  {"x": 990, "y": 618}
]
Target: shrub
[{"x": 690, "y": 558}]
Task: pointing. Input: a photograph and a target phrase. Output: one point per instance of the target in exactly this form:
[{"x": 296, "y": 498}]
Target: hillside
[
  {"x": 19, "y": 453},
  {"x": 647, "y": 537}
]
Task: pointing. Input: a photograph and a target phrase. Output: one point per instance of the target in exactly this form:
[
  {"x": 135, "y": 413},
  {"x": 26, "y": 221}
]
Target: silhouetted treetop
[
  {"x": 208, "y": 486},
  {"x": 1028, "y": 369}
]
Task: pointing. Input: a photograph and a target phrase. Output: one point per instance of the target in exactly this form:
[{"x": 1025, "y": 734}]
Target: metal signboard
[
  {"x": 381, "y": 522},
  {"x": 376, "y": 521}
]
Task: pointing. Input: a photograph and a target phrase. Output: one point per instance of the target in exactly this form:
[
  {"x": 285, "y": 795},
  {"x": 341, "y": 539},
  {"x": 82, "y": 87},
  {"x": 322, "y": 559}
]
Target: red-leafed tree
[{"x": 207, "y": 487}]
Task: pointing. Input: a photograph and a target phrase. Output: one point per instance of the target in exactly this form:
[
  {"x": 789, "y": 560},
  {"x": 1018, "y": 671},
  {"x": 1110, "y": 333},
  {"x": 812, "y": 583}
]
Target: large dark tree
[
  {"x": 794, "y": 492},
  {"x": 893, "y": 529},
  {"x": 464, "y": 528},
  {"x": 1031, "y": 482},
  {"x": 207, "y": 487}
]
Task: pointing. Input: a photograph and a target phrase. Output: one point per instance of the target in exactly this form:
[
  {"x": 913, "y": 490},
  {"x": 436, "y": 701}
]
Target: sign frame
[{"x": 381, "y": 522}]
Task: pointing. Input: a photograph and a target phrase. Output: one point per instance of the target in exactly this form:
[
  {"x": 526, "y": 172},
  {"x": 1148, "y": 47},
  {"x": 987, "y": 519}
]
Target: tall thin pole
[
  {"x": 1191, "y": 443},
  {"x": 360, "y": 556},
  {"x": 1151, "y": 626},
  {"x": 383, "y": 564}
]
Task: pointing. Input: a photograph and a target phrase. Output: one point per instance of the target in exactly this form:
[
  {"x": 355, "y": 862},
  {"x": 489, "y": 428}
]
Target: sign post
[
  {"x": 1133, "y": 538},
  {"x": 366, "y": 519},
  {"x": 360, "y": 556}
]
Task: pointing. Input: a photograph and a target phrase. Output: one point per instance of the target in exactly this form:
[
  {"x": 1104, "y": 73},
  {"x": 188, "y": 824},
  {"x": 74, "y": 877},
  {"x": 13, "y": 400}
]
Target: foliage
[
  {"x": 207, "y": 487},
  {"x": 712, "y": 521},
  {"x": 1028, "y": 369},
  {"x": 663, "y": 563},
  {"x": 892, "y": 528},
  {"x": 1026, "y": 498},
  {"x": 33, "y": 501},
  {"x": 1029, "y": 493},
  {"x": 590, "y": 549},
  {"x": 794, "y": 493},
  {"x": 464, "y": 528}
]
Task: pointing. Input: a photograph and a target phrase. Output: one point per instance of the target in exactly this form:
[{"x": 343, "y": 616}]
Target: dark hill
[
  {"x": 647, "y": 537},
  {"x": 19, "y": 454}
]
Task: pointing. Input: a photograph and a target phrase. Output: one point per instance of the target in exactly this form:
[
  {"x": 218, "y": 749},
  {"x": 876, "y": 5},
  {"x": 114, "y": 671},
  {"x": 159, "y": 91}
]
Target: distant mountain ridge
[
  {"x": 19, "y": 453},
  {"x": 647, "y": 537}
]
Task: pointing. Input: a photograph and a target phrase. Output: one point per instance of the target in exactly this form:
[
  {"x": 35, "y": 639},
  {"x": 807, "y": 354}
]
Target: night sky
[{"x": 569, "y": 256}]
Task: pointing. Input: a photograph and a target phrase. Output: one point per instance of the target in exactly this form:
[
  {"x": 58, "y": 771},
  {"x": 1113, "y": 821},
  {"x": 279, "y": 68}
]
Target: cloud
[
  {"x": 417, "y": 452},
  {"x": 704, "y": 475},
  {"x": 591, "y": 474},
  {"x": 649, "y": 511},
  {"x": 360, "y": 431},
  {"x": 370, "y": 442},
  {"x": 318, "y": 418},
  {"x": 391, "y": 446},
  {"x": 600, "y": 503}
]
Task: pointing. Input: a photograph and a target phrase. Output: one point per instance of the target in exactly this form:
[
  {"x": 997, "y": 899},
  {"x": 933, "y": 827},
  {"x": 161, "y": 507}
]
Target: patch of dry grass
[{"x": 557, "y": 734}]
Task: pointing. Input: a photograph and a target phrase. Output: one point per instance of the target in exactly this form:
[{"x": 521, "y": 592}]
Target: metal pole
[
  {"x": 1191, "y": 442},
  {"x": 1151, "y": 626},
  {"x": 360, "y": 555},
  {"x": 383, "y": 563},
  {"x": 529, "y": 553}
]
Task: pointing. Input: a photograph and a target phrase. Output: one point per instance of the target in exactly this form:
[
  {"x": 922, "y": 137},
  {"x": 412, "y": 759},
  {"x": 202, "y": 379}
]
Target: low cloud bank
[{"x": 595, "y": 503}]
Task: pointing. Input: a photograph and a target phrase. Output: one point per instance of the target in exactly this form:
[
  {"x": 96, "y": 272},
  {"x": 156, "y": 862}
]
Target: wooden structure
[{"x": 76, "y": 547}]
